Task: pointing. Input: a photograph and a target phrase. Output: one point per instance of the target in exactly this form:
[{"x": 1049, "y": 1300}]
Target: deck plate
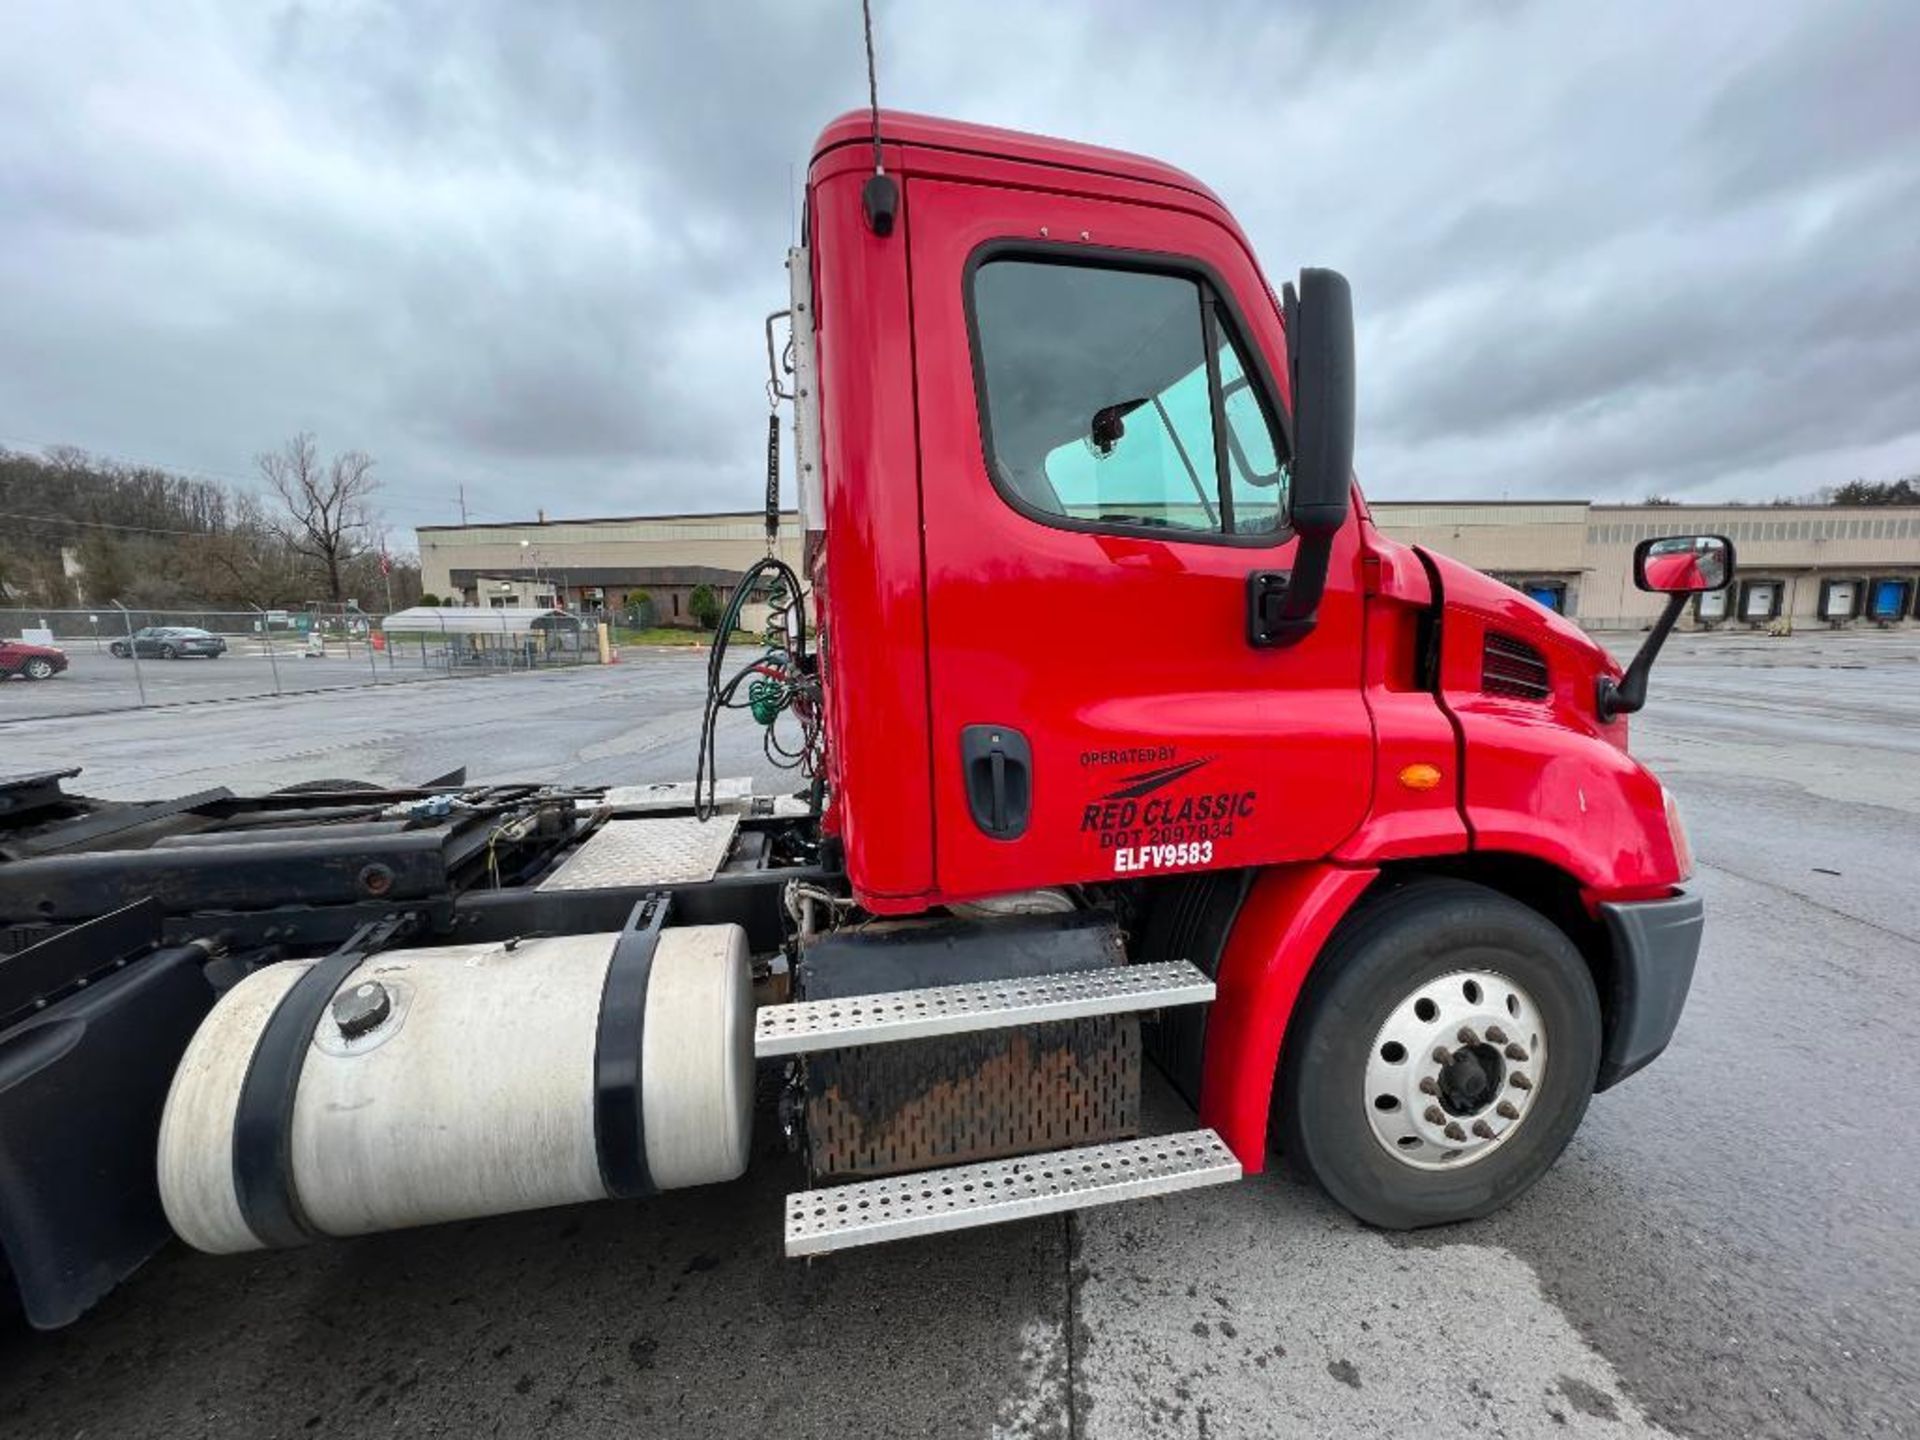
[{"x": 668, "y": 850}]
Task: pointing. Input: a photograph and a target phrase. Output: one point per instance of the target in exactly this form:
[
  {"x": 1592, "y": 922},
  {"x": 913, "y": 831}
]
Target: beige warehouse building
[
  {"x": 597, "y": 565},
  {"x": 1817, "y": 564},
  {"x": 1813, "y": 563}
]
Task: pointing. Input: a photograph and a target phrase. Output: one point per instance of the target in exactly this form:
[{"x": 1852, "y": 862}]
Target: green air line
[{"x": 766, "y": 698}]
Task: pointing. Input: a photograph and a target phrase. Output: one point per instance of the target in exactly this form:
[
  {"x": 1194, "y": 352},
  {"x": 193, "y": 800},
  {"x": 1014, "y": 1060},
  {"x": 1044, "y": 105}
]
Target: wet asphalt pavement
[{"x": 1731, "y": 1246}]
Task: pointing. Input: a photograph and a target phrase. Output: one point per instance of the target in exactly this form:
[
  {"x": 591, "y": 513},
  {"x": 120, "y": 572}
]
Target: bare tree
[{"x": 327, "y": 507}]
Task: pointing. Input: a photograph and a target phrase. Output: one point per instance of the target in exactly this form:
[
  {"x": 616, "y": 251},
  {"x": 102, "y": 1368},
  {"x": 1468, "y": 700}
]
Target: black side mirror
[
  {"x": 1320, "y": 355},
  {"x": 1677, "y": 566},
  {"x": 1281, "y": 608}
]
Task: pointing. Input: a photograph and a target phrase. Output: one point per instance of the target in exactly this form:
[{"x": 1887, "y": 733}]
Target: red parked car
[{"x": 35, "y": 662}]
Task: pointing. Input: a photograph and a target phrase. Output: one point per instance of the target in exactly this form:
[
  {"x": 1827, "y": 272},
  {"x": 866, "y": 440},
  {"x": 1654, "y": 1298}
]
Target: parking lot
[
  {"x": 1731, "y": 1246},
  {"x": 96, "y": 682}
]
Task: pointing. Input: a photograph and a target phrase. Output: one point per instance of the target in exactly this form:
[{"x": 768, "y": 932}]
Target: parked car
[
  {"x": 170, "y": 642},
  {"x": 35, "y": 662}
]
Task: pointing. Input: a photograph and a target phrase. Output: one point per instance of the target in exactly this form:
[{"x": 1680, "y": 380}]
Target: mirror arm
[
  {"x": 1283, "y": 606},
  {"x": 1630, "y": 693}
]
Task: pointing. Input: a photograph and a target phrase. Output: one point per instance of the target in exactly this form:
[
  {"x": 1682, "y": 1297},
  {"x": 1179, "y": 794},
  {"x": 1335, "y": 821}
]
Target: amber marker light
[{"x": 1420, "y": 777}]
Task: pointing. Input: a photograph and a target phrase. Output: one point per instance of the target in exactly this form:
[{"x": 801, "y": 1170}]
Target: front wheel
[
  {"x": 167, "y": 652},
  {"x": 1442, "y": 1056},
  {"x": 118, "y": 650},
  {"x": 39, "y": 669}
]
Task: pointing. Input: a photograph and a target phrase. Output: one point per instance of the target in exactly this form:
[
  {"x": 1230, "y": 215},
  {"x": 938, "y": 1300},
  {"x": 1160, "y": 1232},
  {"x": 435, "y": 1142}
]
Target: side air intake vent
[{"x": 1513, "y": 667}]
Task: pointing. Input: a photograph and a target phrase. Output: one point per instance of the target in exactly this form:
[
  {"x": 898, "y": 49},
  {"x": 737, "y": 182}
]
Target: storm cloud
[{"x": 1597, "y": 250}]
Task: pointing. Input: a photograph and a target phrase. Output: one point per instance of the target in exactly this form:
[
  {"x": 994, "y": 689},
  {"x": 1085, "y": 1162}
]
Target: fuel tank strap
[
  {"x": 263, "y": 1115},
  {"x": 619, "y": 1115}
]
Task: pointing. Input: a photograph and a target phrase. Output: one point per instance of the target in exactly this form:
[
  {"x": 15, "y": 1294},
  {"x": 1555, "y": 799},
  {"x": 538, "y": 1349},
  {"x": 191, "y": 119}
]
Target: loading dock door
[
  {"x": 1759, "y": 599},
  {"x": 1839, "y": 599},
  {"x": 1888, "y": 599},
  {"x": 1711, "y": 605}
]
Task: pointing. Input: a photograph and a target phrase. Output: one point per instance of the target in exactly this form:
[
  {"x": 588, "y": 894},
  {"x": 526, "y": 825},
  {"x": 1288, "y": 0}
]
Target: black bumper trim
[{"x": 1655, "y": 944}]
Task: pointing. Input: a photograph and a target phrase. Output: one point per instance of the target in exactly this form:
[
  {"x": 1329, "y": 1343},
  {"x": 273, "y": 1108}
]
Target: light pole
[{"x": 532, "y": 556}]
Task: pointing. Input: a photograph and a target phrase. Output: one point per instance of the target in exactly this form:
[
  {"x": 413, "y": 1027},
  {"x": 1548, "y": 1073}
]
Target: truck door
[{"x": 1103, "y": 465}]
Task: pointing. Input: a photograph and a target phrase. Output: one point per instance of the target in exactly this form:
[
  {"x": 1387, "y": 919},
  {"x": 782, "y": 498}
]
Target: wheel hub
[
  {"x": 1469, "y": 1081},
  {"x": 1454, "y": 1069}
]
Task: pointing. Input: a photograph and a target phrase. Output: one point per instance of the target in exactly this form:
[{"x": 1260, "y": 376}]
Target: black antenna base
[{"x": 880, "y": 198}]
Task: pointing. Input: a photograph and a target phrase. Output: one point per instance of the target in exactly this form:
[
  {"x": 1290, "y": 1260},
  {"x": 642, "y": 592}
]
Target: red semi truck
[{"x": 1132, "y": 739}]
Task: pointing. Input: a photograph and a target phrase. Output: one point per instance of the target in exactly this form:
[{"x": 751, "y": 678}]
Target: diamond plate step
[
  {"x": 669, "y": 850},
  {"x": 819, "y": 1221},
  {"x": 896, "y": 1015},
  {"x": 728, "y": 794}
]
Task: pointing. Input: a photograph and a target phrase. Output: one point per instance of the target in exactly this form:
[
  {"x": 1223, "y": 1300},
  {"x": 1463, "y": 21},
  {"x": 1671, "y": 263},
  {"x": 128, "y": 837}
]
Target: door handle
[{"x": 997, "y": 765}]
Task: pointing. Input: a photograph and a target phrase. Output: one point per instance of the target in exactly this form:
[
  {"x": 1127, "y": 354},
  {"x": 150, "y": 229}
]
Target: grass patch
[{"x": 674, "y": 635}]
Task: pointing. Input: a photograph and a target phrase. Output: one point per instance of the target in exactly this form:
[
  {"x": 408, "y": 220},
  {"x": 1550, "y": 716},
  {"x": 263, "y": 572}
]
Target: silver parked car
[{"x": 170, "y": 642}]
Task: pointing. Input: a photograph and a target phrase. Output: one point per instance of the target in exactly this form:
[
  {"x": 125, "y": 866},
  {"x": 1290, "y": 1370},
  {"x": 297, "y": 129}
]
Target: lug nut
[
  {"x": 1514, "y": 1052},
  {"x": 1435, "y": 1115},
  {"x": 1467, "y": 1036},
  {"x": 1483, "y": 1130},
  {"x": 1507, "y": 1110},
  {"x": 1442, "y": 1055},
  {"x": 1428, "y": 1086},
  {"x": 1519, "y": 1081},
  {"x": 1454, "y": 1132},
  {"x": 1496, "y": 1035}
]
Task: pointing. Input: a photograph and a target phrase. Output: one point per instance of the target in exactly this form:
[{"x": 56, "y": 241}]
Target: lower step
[{"x": 873, "y": 1211}]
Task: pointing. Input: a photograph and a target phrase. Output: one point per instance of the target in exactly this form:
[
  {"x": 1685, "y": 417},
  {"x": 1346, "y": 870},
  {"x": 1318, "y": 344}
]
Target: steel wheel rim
[{"x": 1455, "y": 1070}]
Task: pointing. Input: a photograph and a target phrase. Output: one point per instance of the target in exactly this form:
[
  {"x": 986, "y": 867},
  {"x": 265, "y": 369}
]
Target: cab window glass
[
  {"x": 1117, "y": 399},
  {"x": 1256, "y": 474}
]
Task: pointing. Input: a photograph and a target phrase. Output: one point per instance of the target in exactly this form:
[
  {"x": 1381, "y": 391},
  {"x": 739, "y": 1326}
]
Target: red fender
[{"x": 1282, "y": 927}]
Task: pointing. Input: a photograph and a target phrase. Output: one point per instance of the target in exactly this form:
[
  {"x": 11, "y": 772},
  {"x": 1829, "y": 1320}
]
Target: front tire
[
  {"x": 39, "y": 670},
  {"x": 1441, "y": 1057}
]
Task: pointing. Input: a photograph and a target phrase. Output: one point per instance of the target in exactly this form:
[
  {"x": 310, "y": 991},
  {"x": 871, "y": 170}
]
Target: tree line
[
  {"x": 79, "y": 530},
  {"x": 1904, "y": 491}
]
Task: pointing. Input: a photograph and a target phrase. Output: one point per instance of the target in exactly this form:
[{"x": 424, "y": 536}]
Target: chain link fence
[{"x": 75, "y": 662}]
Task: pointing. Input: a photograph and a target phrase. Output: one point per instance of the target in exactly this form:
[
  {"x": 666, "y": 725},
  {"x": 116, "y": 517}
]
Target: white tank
[{"x": 474, "y": 1093}]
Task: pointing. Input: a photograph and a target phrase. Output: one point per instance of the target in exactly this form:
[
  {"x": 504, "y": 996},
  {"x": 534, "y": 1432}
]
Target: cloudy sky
[{"x": 1597, "y": 249}]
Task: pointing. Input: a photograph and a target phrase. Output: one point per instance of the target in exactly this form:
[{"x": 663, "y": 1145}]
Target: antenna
[
  {"x": 880, "y": 196},
  {"x": 873, "y": 86}
]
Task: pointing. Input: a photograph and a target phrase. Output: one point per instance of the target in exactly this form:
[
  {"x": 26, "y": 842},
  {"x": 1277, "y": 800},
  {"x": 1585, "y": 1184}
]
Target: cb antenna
[{"x": 880, "y": 196}]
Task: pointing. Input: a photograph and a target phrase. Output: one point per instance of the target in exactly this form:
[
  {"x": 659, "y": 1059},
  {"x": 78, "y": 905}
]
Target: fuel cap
[{"x": 362, "y": 1008}]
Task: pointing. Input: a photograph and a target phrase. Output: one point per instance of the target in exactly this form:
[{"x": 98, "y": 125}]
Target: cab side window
[{"x": 1118, "y": 399}]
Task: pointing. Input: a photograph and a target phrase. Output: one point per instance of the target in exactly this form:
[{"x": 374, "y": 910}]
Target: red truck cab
[
  {"x": 1057, "y": 527},
  {"x": 1132, "y": 735}
]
